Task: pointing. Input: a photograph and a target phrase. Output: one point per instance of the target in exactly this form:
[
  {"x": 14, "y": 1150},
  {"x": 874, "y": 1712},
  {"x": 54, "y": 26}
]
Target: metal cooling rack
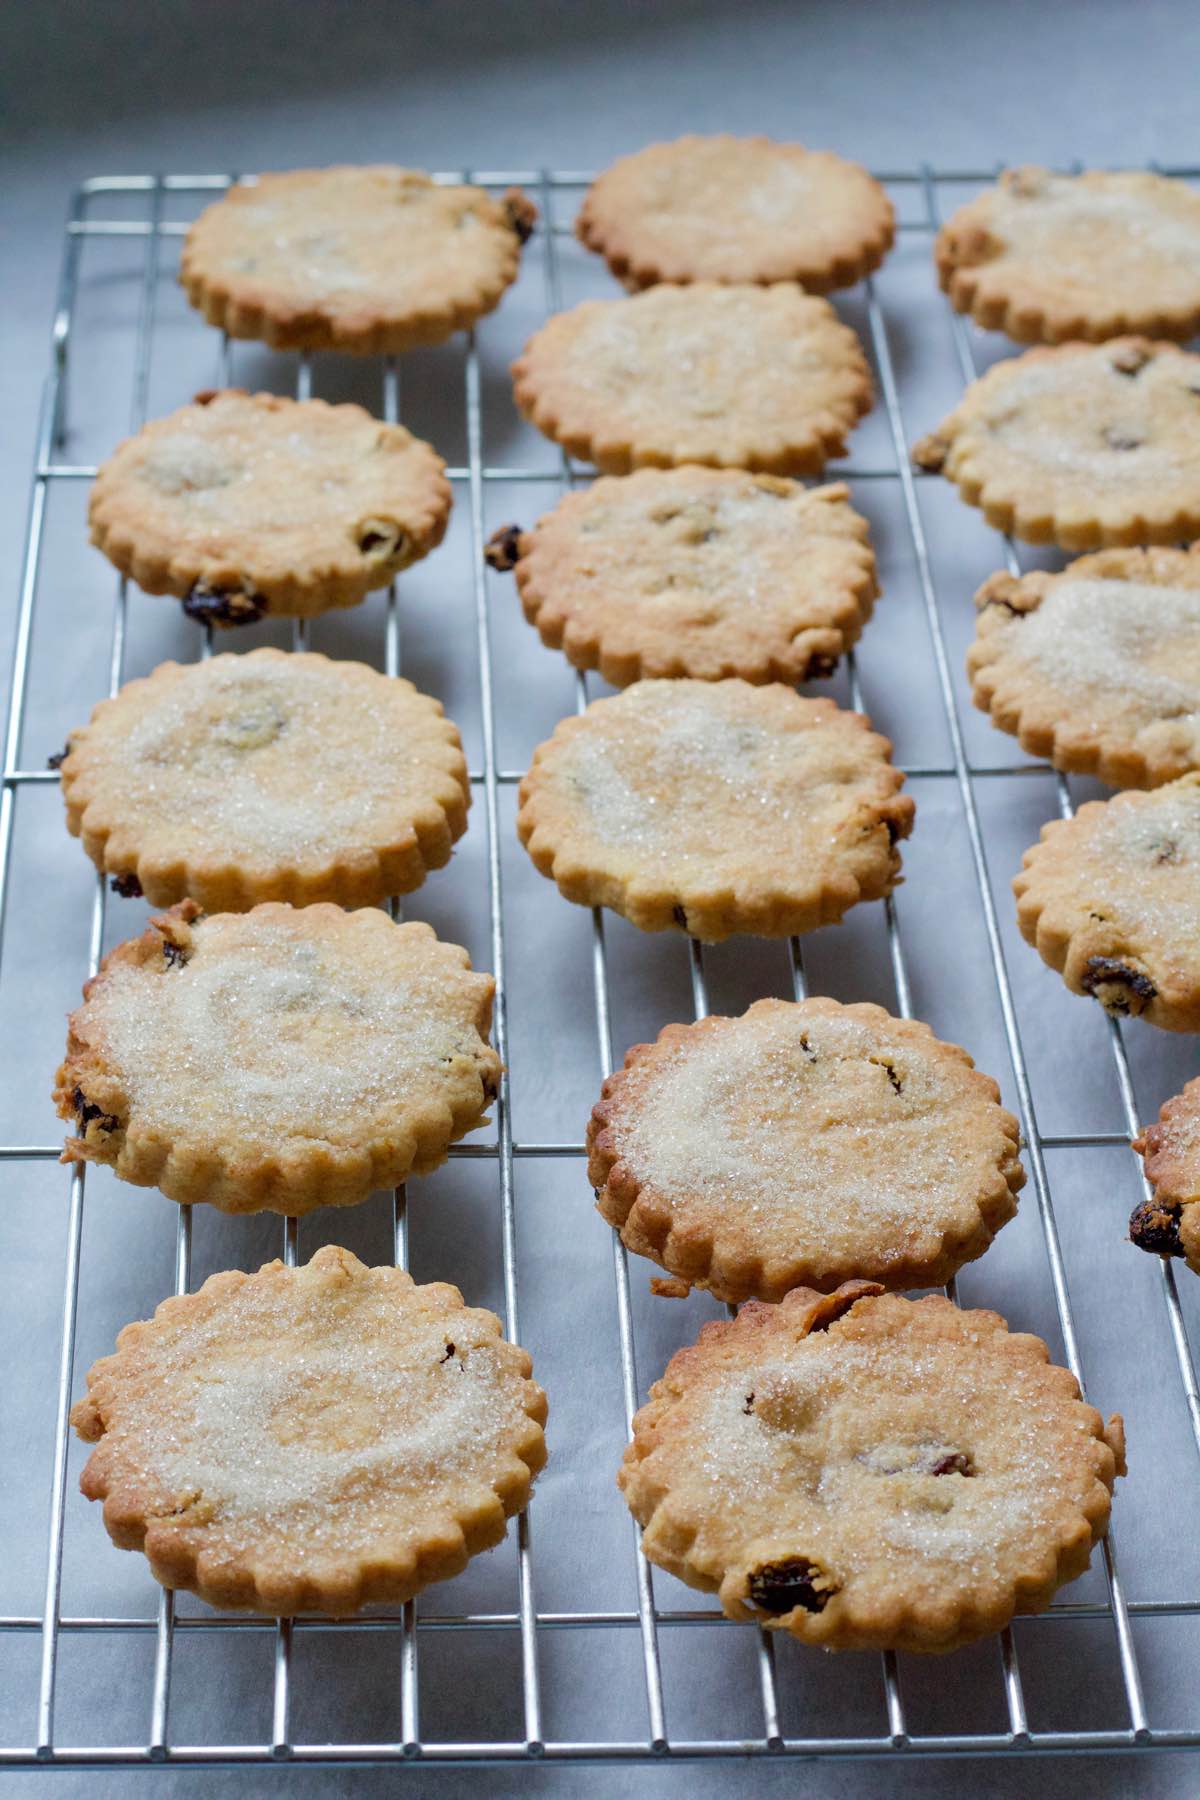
[{"x": 889, "y": 1733}]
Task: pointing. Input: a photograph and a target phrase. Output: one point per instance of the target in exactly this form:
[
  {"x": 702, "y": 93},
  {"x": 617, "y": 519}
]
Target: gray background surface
[{"x": 93, "y": 88}]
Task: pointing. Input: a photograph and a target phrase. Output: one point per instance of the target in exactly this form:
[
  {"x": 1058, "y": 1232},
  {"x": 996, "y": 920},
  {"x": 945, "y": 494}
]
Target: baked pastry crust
[
  {"x": 803, "y": 1144},
  {"x": 764, "y": 378},
  {"x": 244, "y": 504},
  {"x": 269, "y": 776},
  {"x": 697, "y": 572},
  {"x": 1111, "y": 898},
  {"x": 717, "y": 807},
  {"x": 867, "y": 1472},
  {"x": 280, "y": 1059},
  {"x": 736, "y": 209},
  {"x": 1047, "y": 258},
  {"x": 1097, "y": 668},
  {"x": 1083, "y": 446},
  {"x": 372, "y": 260},
  {"x": 1169, "y": 1224},
  {"x": 311, "y": 1439}
]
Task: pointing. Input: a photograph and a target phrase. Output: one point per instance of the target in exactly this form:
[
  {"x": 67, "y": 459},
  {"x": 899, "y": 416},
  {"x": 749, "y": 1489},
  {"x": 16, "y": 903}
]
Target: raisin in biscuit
[
  {"x": 803, "y": 1143},
  {"x": 1111, "y": 898},
  {"x": 698, "y": 572},
  {"x": 1169, "y": 1224},
  {"x": 282, "y": 1059},
  {"x": 738, "y": 377},
  {"x": 267, "y": 777},
  {"x": 737, "y": 209},
  {"x": 1049, "y": 257},
  {"x": 717, "y": 807},
  {"x": 370, "y": 260},
  {"x": 1083, "y": 446},
  {"x": 245, "y": 504},
  {"x": 867, "y": 1472},
  {"x": 1096, "y": 668},
  {"x": 311, "y": 1439}
]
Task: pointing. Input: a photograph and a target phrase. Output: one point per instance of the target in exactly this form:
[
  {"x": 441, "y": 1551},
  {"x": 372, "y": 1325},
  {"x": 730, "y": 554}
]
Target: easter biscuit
[
  {"x": 868, "y": 1472},
  {"x": 696, "y": 572},
  {"x": 279, "y": 1059},
  {"x": 245, "y": 504},
  {"x": 311, "y": 1439},
  {"x": 717, "y": 807}
]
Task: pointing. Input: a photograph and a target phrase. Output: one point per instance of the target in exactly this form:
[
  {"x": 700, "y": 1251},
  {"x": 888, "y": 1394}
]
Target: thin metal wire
[
  {"x": 530, "y": 1689},
  {"x": 525, "y": 1621},
  {"x": 643, "y": 1577},
  {"x": 141, "y": 379},
  {"x": 409, "y": 1689}
]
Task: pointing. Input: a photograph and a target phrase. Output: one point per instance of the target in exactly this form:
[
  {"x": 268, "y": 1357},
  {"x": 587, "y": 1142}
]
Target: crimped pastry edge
[
  {"x": 860, "y": 255},
  {"x": 925, "y": 1627},
  {"x": 449, "y": 1545},
  {"x": 192, "y": 1170},
  {"x": 700, "y": 1257},
  {"x": 247, "y": 311},
  {"x": 1036, "y": 522},
  {"x": 166, "y": 568},
  {"x": 584, "y": 646},
  {"x": 219, "y": 883}
]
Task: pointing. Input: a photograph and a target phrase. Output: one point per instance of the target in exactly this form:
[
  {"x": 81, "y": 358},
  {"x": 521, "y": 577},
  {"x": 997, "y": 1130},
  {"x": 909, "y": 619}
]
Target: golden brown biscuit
[
  {"x": 266, "y": 777},
  {"x": 717, "y": 807},
  {"x": 1083, "y": 446},
  {"x": 1048, "y": 257},
  {"x": 803, "y": 1144},
  {"x": 697, "y": 572},
  {"x": 371, "y": 260},
  {"x": 1111, "y": 898},
  {"x": 737, "y": 209},
  {"x": 1096, "y": 668},
  {"x": 282, "y": 1059},
  {"x": 245, "y": 504},
  {"x": 737, "y": 377},
  {"x": 311, "y": 1439},
  {"x": 867, "y": 1472},
  {"x": 1169, "y": 1224}
]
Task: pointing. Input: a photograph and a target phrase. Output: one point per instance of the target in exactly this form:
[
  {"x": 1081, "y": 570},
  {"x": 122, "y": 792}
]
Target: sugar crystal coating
[
  {"x": 804, "y": 1143},
  {"x": 268, "y": 776},
  {"x": 282, "y": 1057},
  {"x": 930, "y": 1471},
  {"x": 316, "y": 1437},
  {"x": 739, "y": 807}
]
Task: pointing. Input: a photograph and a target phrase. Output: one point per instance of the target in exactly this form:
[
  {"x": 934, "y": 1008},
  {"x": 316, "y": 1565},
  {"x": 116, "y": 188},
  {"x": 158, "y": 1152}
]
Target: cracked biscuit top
[
  {"x": 245, "y": 504},
  {"x": 281, "y": 1059},
  {"x": 371, "y": 260},
  {"x": 1083, "y": 446},
  {"x": 717, "y": 807},
  {"x": 1096, "y": 668},
  {"x": 737, "y": 209},
  {"x": 803, "y": 1143},
  {"x": 311, "y": 1439},
  {"x": 868, "y": 1472},
  {"x": 734, "y": 377},
  {"x": 698, "y": 572},
  {"x": 1111, "y": 898},
  {"x": 1048, "y": 257},
  {"x": 269, "y": 776}
]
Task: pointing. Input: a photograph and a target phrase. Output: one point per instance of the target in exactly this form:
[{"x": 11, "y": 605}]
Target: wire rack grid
[{"x": 892, "y": 1732}]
